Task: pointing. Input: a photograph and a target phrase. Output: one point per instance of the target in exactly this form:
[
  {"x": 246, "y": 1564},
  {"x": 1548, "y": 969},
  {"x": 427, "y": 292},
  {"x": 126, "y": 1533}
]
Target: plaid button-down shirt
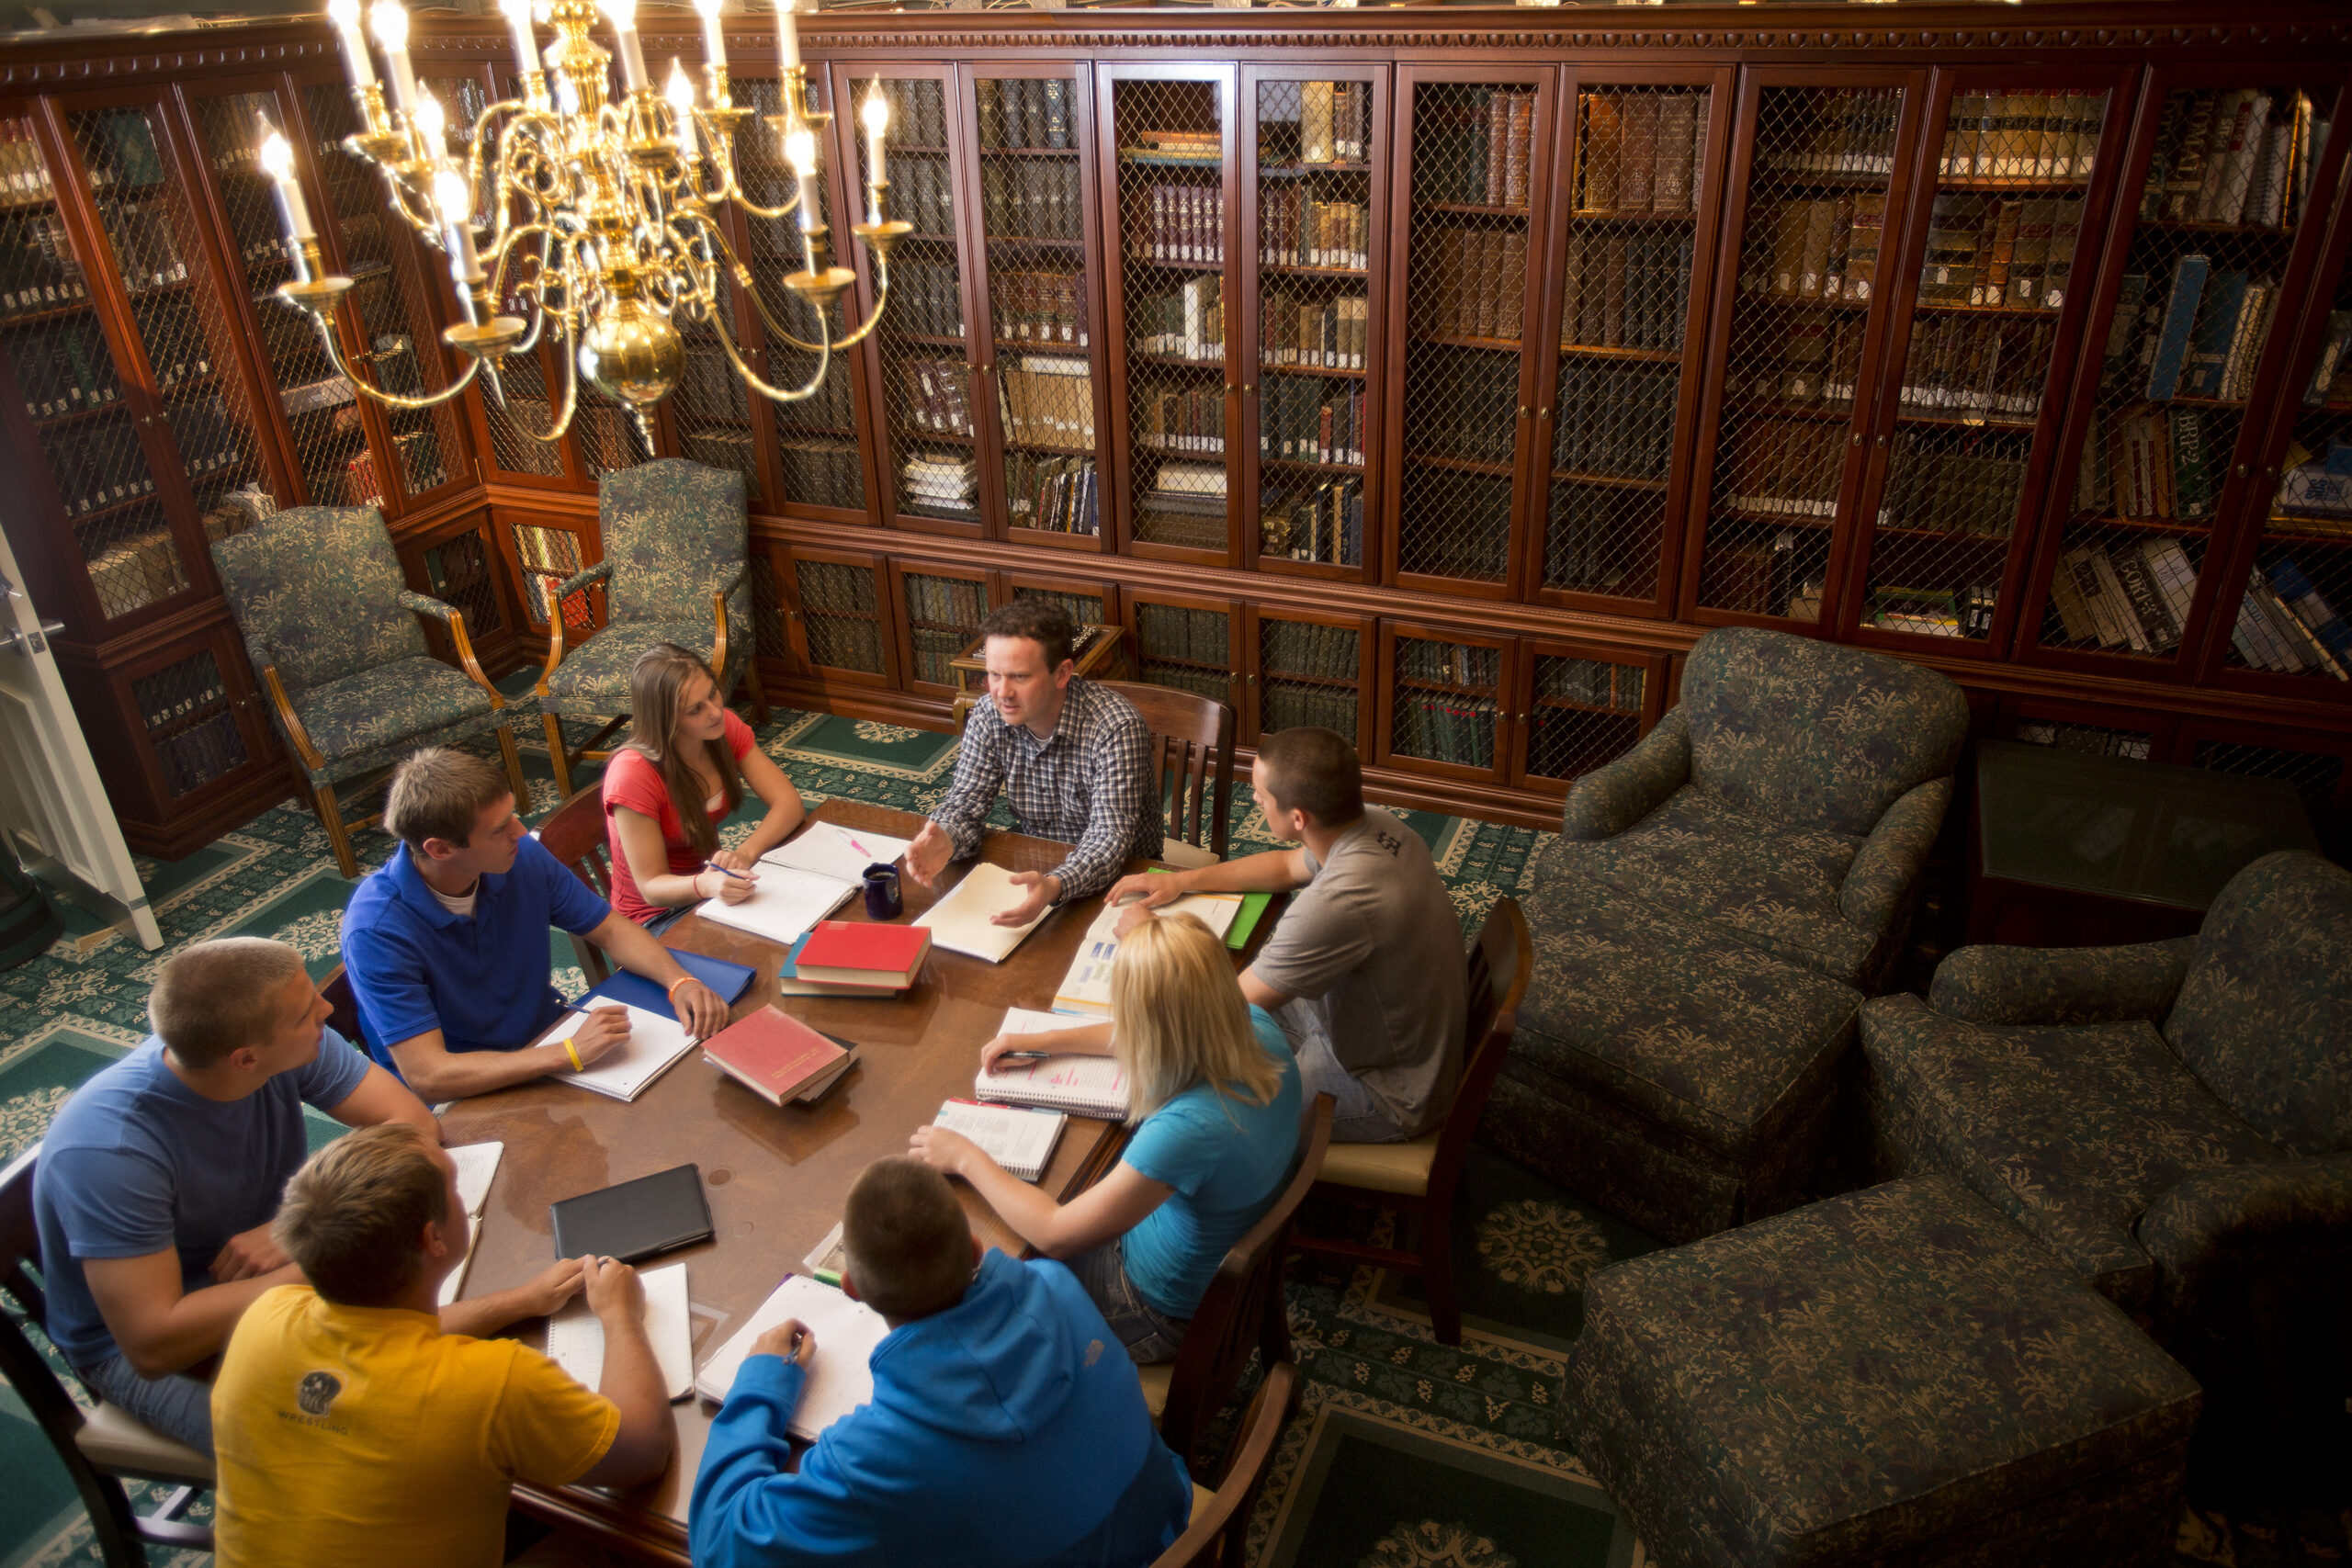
[{"x": 1089, "y": 784}]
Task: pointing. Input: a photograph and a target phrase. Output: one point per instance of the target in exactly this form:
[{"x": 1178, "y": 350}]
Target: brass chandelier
[{"x": 603, "y": 210}]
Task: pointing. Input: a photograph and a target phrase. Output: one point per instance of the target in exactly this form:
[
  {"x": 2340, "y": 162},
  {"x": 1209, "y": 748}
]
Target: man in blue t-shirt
[
  {"x": 158, "y": 1180},
  {"x": 446, "y": 944}
]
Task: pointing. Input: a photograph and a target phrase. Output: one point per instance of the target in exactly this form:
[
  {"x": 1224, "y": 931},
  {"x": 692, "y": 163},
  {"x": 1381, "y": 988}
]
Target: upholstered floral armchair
[
  {"x": 2173, "y": 1120},
  {"x": 676, "y": 569},
  {"x": 1789, "y": 799},
  {"x": 331, "y": 630}
]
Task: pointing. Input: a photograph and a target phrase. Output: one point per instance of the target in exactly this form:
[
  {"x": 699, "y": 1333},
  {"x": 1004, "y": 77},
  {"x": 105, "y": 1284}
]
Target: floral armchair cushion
[
  {"x": 316, "y": 589},
  {"x": 1814, "y": 734},
  {"x": 2264, "y": 1013},
  {"x": 675, "y": 534}
]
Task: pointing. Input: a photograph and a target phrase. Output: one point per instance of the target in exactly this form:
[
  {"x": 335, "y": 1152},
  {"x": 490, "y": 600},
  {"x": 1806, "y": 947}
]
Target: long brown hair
[{"x": 657, "y": 684}]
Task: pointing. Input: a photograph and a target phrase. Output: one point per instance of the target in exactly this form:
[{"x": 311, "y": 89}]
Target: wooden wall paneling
[
  {"x": 1461, "y": 420},
  {"x": 1312, "y": 228},
  {"x": 1630, "y": 253},
  {"x": 2159, "y": 453},
  {"x": 1445, "y": 701},
  {"x": 922, "y": 380},
  {"x": 1987, "y": 297},
  {"x": 2291, "y": 571},
  {"x": 1171, "y": 280},
  {"x": 1793, "y": 372},
  {"x": 1301, "y": 667}
]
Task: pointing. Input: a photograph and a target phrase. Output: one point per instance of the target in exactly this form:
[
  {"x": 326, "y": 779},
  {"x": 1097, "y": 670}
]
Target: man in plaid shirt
[{"x": 1074, "y": 760}]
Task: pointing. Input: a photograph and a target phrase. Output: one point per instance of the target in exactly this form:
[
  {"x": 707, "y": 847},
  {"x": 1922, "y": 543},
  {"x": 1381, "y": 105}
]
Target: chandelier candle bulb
[
  {"x": 714, "y": 37},
  {"x": 278, "y": 157},
  {"x": 388, "y": 21},
  {"x": 518, "y": 25},
  {"x": 877, "y": 115},
  {"x": 681, "y": 94},
  {"x": 345, "y": 16},
  {"x": 456, "y": 202},
  {"x": 788, "y": 49},
  {"x": 622, "y": 13},
  {"x": 432, "y": 127}
]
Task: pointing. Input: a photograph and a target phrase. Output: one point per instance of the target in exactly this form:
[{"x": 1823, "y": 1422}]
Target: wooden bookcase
[{"x": 1846, "y": 325}]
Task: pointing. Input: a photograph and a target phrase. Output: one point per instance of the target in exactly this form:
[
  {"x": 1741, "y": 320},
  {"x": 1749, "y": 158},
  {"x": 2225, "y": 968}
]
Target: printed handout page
[
  {"x": 576, "y": 1335},
  {"x": 961, "y": 922}
]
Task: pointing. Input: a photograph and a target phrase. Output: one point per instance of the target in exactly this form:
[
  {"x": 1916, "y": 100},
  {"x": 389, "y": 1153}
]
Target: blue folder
[{"x": 730, "y": 980}]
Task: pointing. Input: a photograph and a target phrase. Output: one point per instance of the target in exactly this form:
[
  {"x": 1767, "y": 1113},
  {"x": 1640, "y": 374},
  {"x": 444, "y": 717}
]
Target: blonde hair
[
  {"x": 440, "y": 793},
  {"x": 1178, "y": 1018},
  {"x": 353, "y": 1215},
  {"x": 217, "y": 997}
]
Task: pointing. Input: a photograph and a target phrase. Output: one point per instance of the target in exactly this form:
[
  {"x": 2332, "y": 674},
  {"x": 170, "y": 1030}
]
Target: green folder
[{"x": 1253, "y": 907}]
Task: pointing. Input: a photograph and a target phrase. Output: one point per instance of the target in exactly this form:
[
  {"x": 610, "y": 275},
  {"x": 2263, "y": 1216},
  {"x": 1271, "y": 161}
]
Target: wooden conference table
[{"x": 776, "y": 1177}]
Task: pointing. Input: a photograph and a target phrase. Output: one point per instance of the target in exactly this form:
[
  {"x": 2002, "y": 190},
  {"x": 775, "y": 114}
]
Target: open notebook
[
  {"x": 576, "y": 1335},
  {"x": 477, "y": 1164},
  {"x": 831, "y": 850},
  {"x": 1019, "y": 1137},
  {"x": 788, "y": 901},
  {"x": 1091, "y": 1086},
  {"x": 1086, "y": 989},
  {"x": 960, "y": 922},
  {"x": 839, "y": 1382},
  {"x": 622, "y": 1073}
]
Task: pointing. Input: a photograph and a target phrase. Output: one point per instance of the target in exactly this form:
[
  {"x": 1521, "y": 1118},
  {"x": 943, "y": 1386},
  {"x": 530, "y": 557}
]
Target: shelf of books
[
  {"x": 2287, "y": 625},
  {"x": 1316, "y": 156},
  {"x": 397, "y": 329},
  {"x": 1817, "y": 204},
  {"x": 1583, "y": 708},
  {"x": 711, "y": 412},
  {"x": 1308, "y": 669},
  {"x": 842, "y": 625},
  {"x": 1168, "y": 128},
  {"x": 2209, "y": 232},
  {"x": 930, "y": 448},
  {"x": 1028, "y": 128},
  {"x": 941, "y": 611},
  {"x": 192, "y": 712},
  {"x": 546, "y": 556},
  {"x": 819, "y": 461},
  {"x": 1447, "y": 696},
  {"x": 1469, "y": 242},
  {"x": 1185, "y": 643},
  {"x": 2011, "y": 192},
  {"x": 1086, "y": 603},
  {"x": 1641, "y": 215}
]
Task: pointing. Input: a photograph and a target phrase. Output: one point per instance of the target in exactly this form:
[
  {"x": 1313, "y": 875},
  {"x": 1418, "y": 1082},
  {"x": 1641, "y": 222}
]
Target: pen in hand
[
  {"x": 1022, "y": 1056},
  {"x": 714, "y": 866}
]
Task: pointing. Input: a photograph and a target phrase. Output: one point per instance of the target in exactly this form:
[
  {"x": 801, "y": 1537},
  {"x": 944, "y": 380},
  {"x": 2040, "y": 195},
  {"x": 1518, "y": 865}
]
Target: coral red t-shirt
[{"x": 631, "y": 780}]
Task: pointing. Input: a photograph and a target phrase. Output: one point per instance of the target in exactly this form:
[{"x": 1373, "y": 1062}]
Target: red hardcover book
[
  {"x": 864, "y": 952},
  {"x": 774, "y": 1055}
]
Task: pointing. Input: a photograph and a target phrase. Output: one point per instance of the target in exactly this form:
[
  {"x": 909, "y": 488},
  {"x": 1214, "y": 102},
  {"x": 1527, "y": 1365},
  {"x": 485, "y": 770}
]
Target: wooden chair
[
  {"x": 1192, "y": 736},
  {"x": 574, "y": 834},
  {"x": 1219, "y": 1535},
  {"x": 100, "y": 1449},
  {"x": 343, "y": 1007},
  {"x": 1423, "y": 1174},
  {"x": 1241, "y": 1311}
]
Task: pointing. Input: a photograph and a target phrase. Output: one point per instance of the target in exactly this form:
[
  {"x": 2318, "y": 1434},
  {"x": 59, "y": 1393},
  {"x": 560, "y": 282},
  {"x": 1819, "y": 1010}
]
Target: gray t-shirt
[{"x": 1375, "y": 936}]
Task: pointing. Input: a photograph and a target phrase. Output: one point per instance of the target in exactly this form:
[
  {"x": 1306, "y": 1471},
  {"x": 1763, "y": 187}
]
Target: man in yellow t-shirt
[{"x": 350, "y": 1430}]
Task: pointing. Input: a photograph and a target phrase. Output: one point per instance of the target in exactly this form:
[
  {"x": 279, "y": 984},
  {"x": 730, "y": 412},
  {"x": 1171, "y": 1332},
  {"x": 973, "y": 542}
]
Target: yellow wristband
[{"x": 569, "y": 1050}]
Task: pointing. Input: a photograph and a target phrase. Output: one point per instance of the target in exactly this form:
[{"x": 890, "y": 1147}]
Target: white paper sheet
[
  {"x": 1085, "y": 991},
  {"x": 1091, "y": 1086},
  {"x": 786, "y": 903},
  {"x": 622, "y": 1073},
  {"x": 846, "y": 1332},
  {"x": 1020, "y": 1138},
  {"x": 831, "y": 850},
  {"x": 1029, "y": 1021},
  {"x": 477, "y": 1166},
  {"x": 576, "y": 1335},
  {"x": 961, "y": 921}
]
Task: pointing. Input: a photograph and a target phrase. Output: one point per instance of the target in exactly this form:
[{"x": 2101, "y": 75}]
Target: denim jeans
[
  {"x": 1149, "y": 1334},
  {"x": 1357, "y": 1117},
  {"x": 175, "y": 1405}
]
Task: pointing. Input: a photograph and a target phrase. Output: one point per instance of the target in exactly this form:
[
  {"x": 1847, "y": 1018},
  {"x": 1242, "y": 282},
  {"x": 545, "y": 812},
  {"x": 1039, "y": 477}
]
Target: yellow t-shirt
[{"x": 359, "y": 1435}]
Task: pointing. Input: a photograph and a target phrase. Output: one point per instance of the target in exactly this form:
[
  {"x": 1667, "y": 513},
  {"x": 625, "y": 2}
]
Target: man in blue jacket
[{"x": 1006, "y": 1426}]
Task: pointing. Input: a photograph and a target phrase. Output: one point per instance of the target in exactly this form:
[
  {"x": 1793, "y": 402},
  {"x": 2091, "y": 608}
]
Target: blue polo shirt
[{"x": 481, "y": 980}]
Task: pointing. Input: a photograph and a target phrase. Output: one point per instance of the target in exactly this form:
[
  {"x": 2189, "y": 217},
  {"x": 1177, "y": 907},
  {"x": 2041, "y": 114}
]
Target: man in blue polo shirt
[{"x": 446, "y": 944}]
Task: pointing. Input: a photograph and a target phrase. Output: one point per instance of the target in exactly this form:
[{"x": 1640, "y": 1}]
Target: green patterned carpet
[{"x": 1404, "y": 1453}]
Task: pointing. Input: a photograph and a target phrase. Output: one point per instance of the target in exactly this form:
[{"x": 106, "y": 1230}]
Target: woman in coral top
[{"x": 683, "y": 773}]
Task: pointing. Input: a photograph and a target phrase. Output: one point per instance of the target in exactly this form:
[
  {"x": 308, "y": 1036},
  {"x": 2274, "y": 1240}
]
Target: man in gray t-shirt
[{"x": 1366, "y": 970}]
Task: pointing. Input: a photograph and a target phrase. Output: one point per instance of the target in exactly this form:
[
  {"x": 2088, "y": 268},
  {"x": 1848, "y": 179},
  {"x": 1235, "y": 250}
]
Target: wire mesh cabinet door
[
  {"x": 1315, "y": 201},
  {"x": 1472, "y": 146},
  {"x": 1307, "y": 669},
  {"x": 1577, "y": 707},
  {"x": 1036, "y": 291},
  {"x": 839, "y": 623},
  {"x": 923, "y": 367},
  {"x": 1631, "y": 249},
  {"x": 1820, "y": 176},
  {"x": 2218, "y": 222},
  {"x": 2015, "y": 188},
  {"x": 1169, "y": 188},
  {"x": 2291, "y": 571},
  {"x": 1446, "y": 701}
]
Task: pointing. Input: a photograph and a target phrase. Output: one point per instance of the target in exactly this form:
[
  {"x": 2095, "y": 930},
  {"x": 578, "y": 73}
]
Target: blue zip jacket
[{"x": 1009, "y": 1429}]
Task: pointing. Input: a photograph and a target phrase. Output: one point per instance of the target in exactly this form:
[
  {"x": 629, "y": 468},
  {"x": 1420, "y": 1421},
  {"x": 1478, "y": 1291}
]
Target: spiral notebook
[
  {"x": 1019, "y": 1137},
  {"x": 1091, "y": 1086}
]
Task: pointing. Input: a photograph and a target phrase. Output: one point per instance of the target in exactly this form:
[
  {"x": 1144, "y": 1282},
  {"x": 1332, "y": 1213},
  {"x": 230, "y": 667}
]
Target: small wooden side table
[
  {"x": 1102, "y": 655},
  {"x": 2071, "y": 850}
]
